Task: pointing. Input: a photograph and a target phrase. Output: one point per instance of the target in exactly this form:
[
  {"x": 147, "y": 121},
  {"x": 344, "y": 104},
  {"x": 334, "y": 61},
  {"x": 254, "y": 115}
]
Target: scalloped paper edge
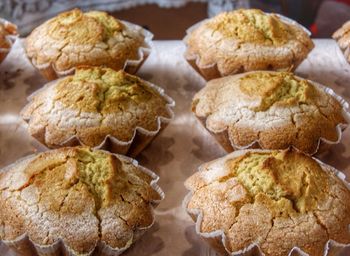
[
  {"x": 220, "y": 235},
  {"x": 130, "y": 65},
  {"x": 212, "y": 68},
  {"x": 104, "y": 144},
  {"x": 339, "y": 127},
  {"x": 101, "y": 247}
]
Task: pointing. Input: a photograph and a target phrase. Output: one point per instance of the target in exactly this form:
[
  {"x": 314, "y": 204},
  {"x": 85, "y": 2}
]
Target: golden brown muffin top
[
  {"x": 103, "y": 90},
  {"x": 280, "y": 88},
  {"x": 93, "y": 193},
  {"x": 246, "y": 40},
  {"x": 252, "y": 25},
  {"x": 94, "y": 103},
  {"x": 101, "y": 173},
  {"x": 90, "y": 27},
  {"x": 274, "y": 109},
  {"x": 75, "y": 38},
  {"x": 279, "y": 181},
  {"x": 342, "y": 36},
  {"x": 277, "y": 200},
  {"x": 6, "y": 29}
]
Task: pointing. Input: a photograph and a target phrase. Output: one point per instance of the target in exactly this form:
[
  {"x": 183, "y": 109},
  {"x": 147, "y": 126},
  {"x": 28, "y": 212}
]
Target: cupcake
[
  {"x": 271, "y": 110},
  {"x": 271, "y": 203},
  {"x": 75, "y": 201},
  {"x": 93, "y": 38},
  {"x": 8, "y": 33},
  {"x": 98, "y": 107},
  {"x": 246, "y": 40},
  {"x": 342, "y": 36}
]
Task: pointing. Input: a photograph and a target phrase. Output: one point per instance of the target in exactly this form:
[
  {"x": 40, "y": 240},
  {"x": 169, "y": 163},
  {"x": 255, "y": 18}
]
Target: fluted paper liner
[
  {"x": 211, "y": 71},
  {"x": 24, "y": 246},
  {"x": 140, "y": 139},
  {"x": 131, "y": 66},
  {"x": 323, "y": 144},
  {"x": 217, "y": 239},
  {"x": 9, "y": 38}
]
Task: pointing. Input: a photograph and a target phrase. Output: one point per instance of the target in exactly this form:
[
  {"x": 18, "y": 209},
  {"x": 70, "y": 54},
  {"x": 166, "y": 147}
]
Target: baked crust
[
  {"x": 79, "y": 196},
  {"x": 245, "y": 40},
  {"x": 276, "y": 110},
  {"x": 7, "y": 29},
  {"x": 276, "y": 200},
  {"x": 342, "y": 36},
  {"x": 96, "y": 103},
  {"x": 75, "y": 38}
]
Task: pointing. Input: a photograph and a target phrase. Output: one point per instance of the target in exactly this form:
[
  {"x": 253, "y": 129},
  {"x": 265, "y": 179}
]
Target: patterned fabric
[{"x": 180, "y": 148}]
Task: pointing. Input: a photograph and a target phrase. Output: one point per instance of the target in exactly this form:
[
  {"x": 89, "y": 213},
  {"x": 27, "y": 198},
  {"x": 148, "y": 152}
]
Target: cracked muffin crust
[
  {"x": 93, "y": 38},
  {"x": 246, "y": 40},
  {"x": 98, "y": 104},
  {"x": 276, "y": 200},
  {"x": 342, "y": 36},
  {"x": 7, "y": 30},
  {"x": 90, "y": 200},
  {"x": 271, "y": 110}
]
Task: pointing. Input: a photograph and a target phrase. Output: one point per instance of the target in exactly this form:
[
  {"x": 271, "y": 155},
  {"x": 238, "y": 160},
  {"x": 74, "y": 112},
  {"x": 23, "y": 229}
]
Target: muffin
[
  {"x": 269, "y": 202},
  {"x": 93, "y": 38},
  {"x": 98, "y": 107},
  {"x": 8, "y": 32},
  {"x": 342, "y": 36},
  {"x": 271, "y": 110},
  {"x": 246, "y": 40},
  {"x": 77, "y": 201}
]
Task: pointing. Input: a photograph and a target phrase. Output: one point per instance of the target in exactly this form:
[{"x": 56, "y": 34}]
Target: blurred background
[{"x": 168, "y": 19}]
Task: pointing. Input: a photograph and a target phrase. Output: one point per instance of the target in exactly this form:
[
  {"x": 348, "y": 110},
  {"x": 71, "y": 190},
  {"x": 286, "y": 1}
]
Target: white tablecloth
[{"x": 183, "y": 145}]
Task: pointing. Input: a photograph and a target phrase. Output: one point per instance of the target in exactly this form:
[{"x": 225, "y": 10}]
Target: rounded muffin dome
[
  {"x": 93, "y": 38},
  {"x": 96, "y": 104},
  {"x": 82, "y": 199},
  {"x": 342, "y": 36},
  {"x": 275, "y": 200},
  {"x": 246, "y": 40},
  {"x": 272, "y": 110}
]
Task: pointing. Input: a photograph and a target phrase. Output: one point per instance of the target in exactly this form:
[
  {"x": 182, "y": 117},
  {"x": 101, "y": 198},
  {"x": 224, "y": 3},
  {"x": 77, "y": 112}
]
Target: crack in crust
[
  {"x": 275, "y": 109},
  {"x": 252, "y": 26},
  {"x": 245, "y": 40},
  {"x": 275, "y": 199},
  {"x": 95, "y": 103},
  {"x": 81, "y": 196},
  {"x": 75, "y": 38},
  {"x": 342, "y": 36}
]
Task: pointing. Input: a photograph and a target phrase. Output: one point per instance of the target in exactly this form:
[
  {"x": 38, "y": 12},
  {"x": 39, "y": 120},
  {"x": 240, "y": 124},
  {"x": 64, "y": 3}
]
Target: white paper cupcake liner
[
  {"x": 211, "y": 71},
  {"x": 140, "y": 139},
  {"x": 24, "y": 246},
  {"x": 131, "y": 65},
  {"x": 217, "y": 239},
  {"x": 322, "y": 145},
  {"x": 9, "y": 38}
]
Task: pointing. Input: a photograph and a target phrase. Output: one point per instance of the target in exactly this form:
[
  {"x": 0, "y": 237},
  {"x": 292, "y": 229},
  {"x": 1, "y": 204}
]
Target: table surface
[{"x": 182, "y": 146}]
